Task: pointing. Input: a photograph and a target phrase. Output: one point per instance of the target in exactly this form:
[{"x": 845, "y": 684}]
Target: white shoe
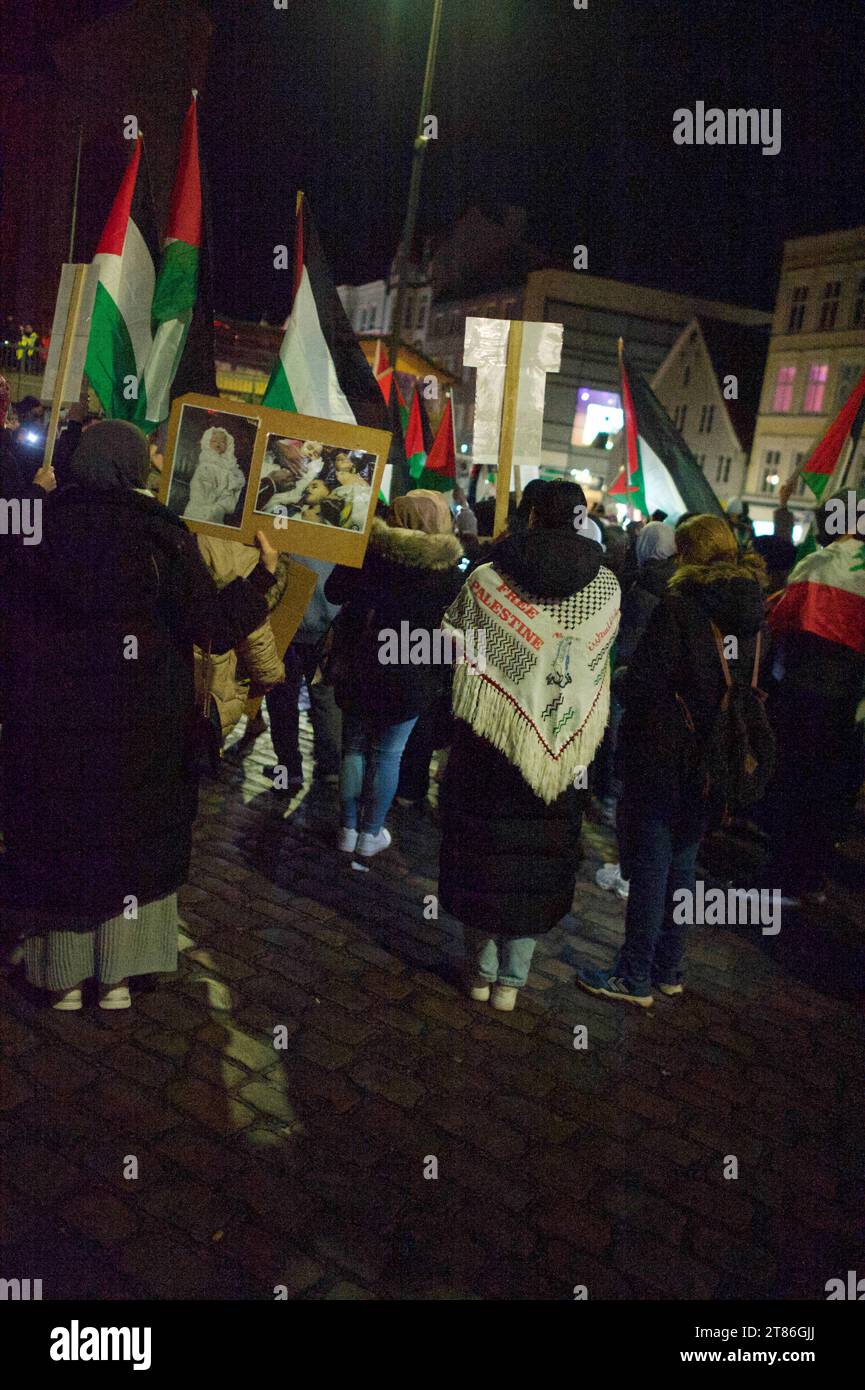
[
  {"x": 505, "y": 998},
  {"x": 479, "y": 989},
  {"x": 115, "y": 997},
  {"x": 368, "y": 845},
  {"x": 346, "y": 840},
  {"x": 68, "y": 1001},
  {"x": 610, "y": 879}
]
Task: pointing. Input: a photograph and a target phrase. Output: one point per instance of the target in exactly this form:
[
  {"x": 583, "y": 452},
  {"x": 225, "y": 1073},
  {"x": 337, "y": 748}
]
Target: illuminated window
[
  {"x": 797, "y": 309},
  {"x": 818, "y": 375},
  {"x": 782, "y": 401},
  {"x": 829, "y": 306},
  {"x": 770, "y": 471}
]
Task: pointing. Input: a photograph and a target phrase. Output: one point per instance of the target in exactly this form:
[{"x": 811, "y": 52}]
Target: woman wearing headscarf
[
  {"x": 98, "y": 754},
  {"x": 530, "y": 710},
  {"x": 218, "y": 480},
  {"x": 392, "y": 605}
]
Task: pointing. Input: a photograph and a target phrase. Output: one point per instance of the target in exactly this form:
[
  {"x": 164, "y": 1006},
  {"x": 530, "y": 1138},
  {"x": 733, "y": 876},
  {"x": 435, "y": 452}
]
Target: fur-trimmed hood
[{"x": 413, "y": 549}]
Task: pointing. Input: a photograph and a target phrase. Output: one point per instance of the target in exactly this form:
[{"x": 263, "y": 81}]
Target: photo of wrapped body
[
  {"x": 211, "y": 466},
  {"x": 309, "y": 481}
]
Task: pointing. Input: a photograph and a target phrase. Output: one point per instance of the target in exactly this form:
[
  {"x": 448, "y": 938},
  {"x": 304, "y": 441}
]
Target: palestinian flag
[
  {"x": 825, "y": 595},
  {"x": 820, "y": 465},
  {"x": 401, "y": 480},
  {"x": 418, "y": 436},
  {"x": 661, "y": 471},
  {"x": 176, "y": 358},
  {"x": 120, "y": 333},
  {"x": 321, "y": 369},
  {"x": 441, "y": 465}
]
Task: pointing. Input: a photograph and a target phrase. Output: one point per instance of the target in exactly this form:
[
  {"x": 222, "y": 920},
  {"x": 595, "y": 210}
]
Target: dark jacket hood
[
  {"x": 655, "y": 575},
  {"x": 734, "y": 602},
  {"x": 547, "y": 564}
]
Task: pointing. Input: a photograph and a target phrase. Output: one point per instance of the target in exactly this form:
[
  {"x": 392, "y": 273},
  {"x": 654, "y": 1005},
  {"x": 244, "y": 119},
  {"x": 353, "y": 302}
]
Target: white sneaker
[
  {"x": 346, "y": 840},
  {"x": 479, "y": 989},
  {"x": 368, "y": 845},
  {"x": 505, "y": 998},
  {"x": 67, "y": 1002},
  {"x": 115, "y": 997},
  {"x": 610, "y": 879}
]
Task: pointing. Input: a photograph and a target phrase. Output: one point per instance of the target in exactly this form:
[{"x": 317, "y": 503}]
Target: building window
[
  {"x": 801, "y": 485},
  {"x": 686, "y": 375},
  {"x": 829, "y": 306},
  {"x": 707, "y": 415},
  {"x": 849, "y": 373},
  {"x": 859, "y": 305},
  {"x": 797, "y": 309},
  {"x": 722, "y": 472},
  {"x": 771, "y": 464},
  {"x": 818, "y": 375},
  {"x": 782, "y": 401},
  {"x": 421, "y": 315},
  {"x": 679, "y": 416}
]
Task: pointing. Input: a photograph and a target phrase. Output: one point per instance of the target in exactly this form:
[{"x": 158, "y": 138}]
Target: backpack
[{"x": 740, "y": 751}]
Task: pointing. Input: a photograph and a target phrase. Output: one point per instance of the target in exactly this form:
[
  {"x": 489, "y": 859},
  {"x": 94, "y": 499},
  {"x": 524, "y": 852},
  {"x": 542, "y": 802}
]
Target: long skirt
[{"x": 105, "y": 951}]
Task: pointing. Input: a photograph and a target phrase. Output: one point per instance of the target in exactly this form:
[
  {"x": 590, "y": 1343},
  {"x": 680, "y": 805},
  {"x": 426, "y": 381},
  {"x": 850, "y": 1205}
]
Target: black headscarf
[{"x": 112, "y": 453}]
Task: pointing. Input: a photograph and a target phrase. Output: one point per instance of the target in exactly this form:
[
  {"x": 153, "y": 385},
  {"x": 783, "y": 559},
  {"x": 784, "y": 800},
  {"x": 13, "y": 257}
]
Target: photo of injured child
[{"x": 306, "y": 480}]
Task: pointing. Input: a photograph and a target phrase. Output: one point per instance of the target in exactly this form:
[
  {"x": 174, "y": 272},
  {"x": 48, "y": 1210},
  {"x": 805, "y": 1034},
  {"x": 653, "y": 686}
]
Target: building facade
[
  {"x": 369, "y": 307},
  {"x": 709, "y": 383},
  {"x": 816, "y": 355}
]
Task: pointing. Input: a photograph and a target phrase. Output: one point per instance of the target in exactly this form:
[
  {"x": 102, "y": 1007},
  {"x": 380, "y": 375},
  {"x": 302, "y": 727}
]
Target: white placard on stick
[{"x": 81, "y": 334}]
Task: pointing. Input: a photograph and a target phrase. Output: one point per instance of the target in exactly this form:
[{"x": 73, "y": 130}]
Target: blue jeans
[
  {"x": 504, "y": 960},
  {"x": 659, "y": 859},
  {"x": 371, "y": 753}
]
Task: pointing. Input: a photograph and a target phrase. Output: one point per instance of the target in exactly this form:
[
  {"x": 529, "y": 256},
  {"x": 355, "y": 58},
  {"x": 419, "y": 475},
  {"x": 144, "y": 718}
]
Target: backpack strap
[
  {"x": 755, "y": 674},
  {"x": 719, "y": 643}
]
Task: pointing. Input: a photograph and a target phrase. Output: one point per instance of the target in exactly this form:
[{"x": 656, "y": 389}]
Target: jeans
[
  {"x": 301, "y": 661},
  {"x": 503, "y": 960},
  {"x": 659, "y": 859},
  {"x": 371, "y": 753}
]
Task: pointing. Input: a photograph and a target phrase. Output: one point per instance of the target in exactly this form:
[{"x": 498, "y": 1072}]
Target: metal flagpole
[
  {"x": 420, "y": 144},
  {"x": 74, "y": 221}
]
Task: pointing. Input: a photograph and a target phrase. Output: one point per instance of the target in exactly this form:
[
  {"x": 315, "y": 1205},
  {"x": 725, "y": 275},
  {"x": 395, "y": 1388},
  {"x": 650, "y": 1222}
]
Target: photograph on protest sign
[
  {"x": 209, "y": 467},
  {"x": 323, "y": 485}
]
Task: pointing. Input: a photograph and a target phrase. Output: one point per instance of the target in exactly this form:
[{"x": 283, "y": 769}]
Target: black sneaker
[{"x": 608, "y": 985}]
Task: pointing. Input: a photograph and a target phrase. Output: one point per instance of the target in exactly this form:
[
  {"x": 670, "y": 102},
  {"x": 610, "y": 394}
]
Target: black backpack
[{"x": 740, "y": 751}]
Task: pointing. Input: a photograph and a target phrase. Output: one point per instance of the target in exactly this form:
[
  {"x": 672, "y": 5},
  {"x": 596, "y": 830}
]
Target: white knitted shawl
[{"x": 534, "y": 679}]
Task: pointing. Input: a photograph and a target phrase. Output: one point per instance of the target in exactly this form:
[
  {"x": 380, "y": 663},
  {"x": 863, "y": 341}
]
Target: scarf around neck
[{"x": 534, "y": 679}]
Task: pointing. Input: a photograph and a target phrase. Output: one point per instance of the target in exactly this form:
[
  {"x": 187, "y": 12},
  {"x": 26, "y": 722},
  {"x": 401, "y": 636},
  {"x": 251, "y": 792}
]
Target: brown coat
[{"x": 254, "y": 666}]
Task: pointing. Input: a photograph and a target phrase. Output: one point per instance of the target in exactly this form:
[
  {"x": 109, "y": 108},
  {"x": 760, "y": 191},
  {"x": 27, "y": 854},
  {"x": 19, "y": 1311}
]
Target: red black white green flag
[
  {"x": 120, "y": 332},
  {"x": 321, "y": 369},
  {"x": 661, "y": 472},
  {"x": 181, "y": 358},
  {"x": 441, "y": 465},
  {"x": 820, "y": 465},
  {"x": 419, "y": 436},
  {"x": 825, "y": 595}
]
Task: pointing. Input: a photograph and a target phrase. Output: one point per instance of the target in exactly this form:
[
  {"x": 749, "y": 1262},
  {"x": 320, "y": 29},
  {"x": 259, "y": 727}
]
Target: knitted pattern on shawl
[{"x": 535, "y": 677}]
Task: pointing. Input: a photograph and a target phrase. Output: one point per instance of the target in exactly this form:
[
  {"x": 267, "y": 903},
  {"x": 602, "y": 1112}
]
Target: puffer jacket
[
  {"x": 254, "y": 666},
  {"x": 408, "y": 578}
]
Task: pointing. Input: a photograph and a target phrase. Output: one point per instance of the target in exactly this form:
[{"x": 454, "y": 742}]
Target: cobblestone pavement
[{"x": 304, "y": 1166}]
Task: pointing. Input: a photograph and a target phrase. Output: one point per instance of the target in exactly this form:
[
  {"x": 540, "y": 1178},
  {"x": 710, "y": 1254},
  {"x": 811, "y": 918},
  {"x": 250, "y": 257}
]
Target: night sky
[{"x": 566, "y": 113}]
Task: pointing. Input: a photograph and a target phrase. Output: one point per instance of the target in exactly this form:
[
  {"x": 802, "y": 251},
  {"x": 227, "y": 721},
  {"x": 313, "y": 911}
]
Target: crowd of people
[{"x": 592, "y": 669}]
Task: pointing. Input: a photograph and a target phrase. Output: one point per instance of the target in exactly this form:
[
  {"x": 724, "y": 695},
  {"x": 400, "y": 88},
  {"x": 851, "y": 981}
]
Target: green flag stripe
[{"x": 111, "y": 360}]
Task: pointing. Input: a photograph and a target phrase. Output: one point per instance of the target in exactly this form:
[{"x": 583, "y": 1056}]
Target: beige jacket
[{"x": 254, "y": 666}]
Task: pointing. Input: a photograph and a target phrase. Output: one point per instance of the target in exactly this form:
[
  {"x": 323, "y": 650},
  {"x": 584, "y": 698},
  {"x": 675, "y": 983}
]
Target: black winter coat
[
  {"x": 98, "y": 757},
  {"x": 408, "y": 577},
  {"x": 638, "y": 605},
  {"x": 660, "y": 759},
  {"x": 508, "y": 861}
]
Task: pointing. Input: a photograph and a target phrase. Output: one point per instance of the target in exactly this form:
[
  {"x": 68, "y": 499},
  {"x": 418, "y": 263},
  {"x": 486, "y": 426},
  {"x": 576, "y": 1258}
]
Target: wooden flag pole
[
  {"x": 509, "y": 426},
  {"x": 63, "y": 365}
]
